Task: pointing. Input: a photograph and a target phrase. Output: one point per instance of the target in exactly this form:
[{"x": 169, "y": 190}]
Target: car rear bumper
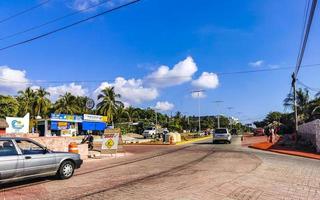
[
  {"x": 78, "y": 163},
  {"x": 222, "y": 139}
]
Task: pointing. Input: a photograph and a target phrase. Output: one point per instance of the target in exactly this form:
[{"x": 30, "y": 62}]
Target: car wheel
[{"x": 66, "y": 170}]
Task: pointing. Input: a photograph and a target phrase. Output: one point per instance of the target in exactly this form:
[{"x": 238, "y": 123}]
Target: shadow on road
[{"x": 25, "y": 183}]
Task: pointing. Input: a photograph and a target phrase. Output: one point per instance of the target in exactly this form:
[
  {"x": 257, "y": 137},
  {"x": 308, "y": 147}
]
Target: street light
[
  {"x": 198, "y": 93},
  {"x": 218, "y": 103}
]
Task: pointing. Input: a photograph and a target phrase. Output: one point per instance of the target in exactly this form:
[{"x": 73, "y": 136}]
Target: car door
[
  {"x": 37, "y": 160},
  {"x": 11, "y": 163}
]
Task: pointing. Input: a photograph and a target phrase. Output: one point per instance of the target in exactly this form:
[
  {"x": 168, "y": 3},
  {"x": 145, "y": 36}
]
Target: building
[{"x": 71, "y": 125}]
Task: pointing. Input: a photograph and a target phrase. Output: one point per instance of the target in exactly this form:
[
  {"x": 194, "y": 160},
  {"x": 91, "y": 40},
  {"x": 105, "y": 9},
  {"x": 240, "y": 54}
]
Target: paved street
[{"x": 195, "y": 171}]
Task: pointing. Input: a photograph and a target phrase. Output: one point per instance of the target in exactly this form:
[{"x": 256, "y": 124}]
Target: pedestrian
[
  {"x": 271, "y": 134},
  {"x": 268, "y": 134}
]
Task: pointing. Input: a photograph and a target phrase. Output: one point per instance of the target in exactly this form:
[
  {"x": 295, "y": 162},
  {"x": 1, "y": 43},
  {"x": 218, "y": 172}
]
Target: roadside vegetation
[
  {"x": 129, "y": 119},
  {"x": 308, "y": 110}
]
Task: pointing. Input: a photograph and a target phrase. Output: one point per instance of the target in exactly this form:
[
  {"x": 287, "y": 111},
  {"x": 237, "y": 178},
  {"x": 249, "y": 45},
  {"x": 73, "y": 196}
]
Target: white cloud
[
  {"x": 164, "y": 106},
  {"x": 132, "y": 91},
  {"x": 84, "y": 4},
  {"x": 198, "y": 95},
  {"x": 73, "y": 88},
  {"x": 164, "y": 76},
  {"x": 257, "y": 63},
  {"x": 206, "y": 80},
  {"x": 12, "y": 80}
]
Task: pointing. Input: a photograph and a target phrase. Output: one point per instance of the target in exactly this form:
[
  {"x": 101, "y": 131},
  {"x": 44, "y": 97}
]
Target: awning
[{"x": 93, "y": 126}]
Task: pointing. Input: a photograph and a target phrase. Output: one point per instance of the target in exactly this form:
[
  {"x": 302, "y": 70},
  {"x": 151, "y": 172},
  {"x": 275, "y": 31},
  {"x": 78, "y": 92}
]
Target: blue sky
[{"x": 134, "y": 42}]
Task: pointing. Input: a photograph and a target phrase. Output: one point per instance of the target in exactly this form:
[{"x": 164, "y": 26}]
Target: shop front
[
  {"x": 95, "y": 124},
  {"x": 60, "y": 125}
]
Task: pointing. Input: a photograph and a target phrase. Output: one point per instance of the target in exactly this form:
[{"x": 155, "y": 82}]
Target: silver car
[
  {"x": 22, "y": 158},
  {"x": 221, "y": 134}
]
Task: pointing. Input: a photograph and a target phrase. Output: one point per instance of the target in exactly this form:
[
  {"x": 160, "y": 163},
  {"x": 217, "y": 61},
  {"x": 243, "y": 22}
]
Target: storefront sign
[
  {"x": 18, "y": 124},
  {"x": 110, "y": 141},
  {"x": 96, "y": 118},
  {"x": 64, "y": 117},
  {"x": 68, "y": 132}
]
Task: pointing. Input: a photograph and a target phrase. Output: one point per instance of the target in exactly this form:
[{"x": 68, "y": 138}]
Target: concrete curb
[
  {"x": 194, "y": 140},
  {"x": 289, "y": 153}
]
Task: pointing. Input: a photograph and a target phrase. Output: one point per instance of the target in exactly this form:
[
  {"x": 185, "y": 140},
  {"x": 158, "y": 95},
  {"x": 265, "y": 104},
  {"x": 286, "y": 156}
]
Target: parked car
[
  {"x": 22, "y": 158},
  {"x": 222, "y": 134},
  {"x": 149, "y": 132},
  {"x": 152, "y": 133},
  {"x": 258, "y": 132}
]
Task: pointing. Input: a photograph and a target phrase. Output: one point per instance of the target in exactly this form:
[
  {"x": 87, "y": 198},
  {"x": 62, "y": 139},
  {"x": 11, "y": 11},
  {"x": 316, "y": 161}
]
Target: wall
[{"x": 310, "y": 132}]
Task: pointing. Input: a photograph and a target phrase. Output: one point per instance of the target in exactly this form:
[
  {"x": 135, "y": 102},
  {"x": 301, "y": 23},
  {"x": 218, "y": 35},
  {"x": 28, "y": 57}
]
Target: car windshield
[
  {"x": 220, "y": 131},
  {"x": 148, "y": 129}
]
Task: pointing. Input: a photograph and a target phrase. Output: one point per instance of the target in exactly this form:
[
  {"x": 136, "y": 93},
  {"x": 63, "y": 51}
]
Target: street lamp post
[
  {"x": 198, "y": 93},
  {"x": 218, "y": 103}
]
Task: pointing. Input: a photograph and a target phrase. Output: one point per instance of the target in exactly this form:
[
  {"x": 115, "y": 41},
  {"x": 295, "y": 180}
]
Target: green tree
[
  {"x": 66, "y": 104},
  {"x": 302, "y": 99},
  {"x": 42, "y": 102},
  {"x": 9, "y": 106},
  {"x": 26, "y": 99},
  {"x": 108, "y": 103},
  {"x": 81, "y": 102}
]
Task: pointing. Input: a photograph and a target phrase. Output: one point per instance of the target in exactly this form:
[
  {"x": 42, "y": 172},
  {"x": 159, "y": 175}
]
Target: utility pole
[
  {"x": 293, "y": 84},
  {"x": 218, "y": 102},
  {"x": 198, "y": 93}
]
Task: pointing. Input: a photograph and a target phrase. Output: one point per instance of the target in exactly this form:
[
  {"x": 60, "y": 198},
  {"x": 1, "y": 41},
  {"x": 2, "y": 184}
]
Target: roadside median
[{"x": 193, "y": 140}]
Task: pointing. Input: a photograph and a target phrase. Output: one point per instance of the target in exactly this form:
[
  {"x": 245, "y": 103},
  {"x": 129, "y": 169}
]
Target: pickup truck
[{"x": 151, "y": 132}]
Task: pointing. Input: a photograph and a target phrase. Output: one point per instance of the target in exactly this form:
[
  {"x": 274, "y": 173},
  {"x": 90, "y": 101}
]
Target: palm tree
[
  {"x": 108, "y": 104},
  {"x": 66, "y": 104},
  {"x": 302, "y": 99},
  {"x": 132, "y": 114},
  {"x": 26, "y": 101},
  {"x": 81, "y": 102},
  {"x": 42, "y": 103}
]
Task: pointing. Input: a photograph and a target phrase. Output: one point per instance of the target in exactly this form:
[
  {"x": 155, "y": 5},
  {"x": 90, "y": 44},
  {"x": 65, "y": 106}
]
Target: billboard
[
  {"x": 18, "y": 124},
  {"x": 66, "y": 117},
  {"x": 96, "y": 118}
]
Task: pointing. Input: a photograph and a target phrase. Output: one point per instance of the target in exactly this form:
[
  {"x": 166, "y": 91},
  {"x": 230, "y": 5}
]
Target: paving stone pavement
[{"x": 197, "y": 171}]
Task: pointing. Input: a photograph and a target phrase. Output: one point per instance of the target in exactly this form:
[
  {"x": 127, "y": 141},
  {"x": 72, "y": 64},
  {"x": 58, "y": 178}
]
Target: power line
[
  {"x": 305, "y": 38},
  {"x": 308, "y": 87},
  {"x": 68, "y": 26},
  {"x": 24, "y": 11},
  {"x": 53, "y": 20}
]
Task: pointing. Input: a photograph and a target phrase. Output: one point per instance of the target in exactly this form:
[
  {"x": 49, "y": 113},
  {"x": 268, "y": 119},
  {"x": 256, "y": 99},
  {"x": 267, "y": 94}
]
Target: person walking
[{"x": 271, "y": 135}]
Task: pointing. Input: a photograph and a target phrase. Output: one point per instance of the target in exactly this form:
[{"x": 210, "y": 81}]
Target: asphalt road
[{"x": 196, "y": 171}]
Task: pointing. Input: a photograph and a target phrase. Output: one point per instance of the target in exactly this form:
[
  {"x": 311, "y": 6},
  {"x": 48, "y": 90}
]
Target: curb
[
  {"x": 193, "y": 140},
  {"x": 284, "y": 152}
]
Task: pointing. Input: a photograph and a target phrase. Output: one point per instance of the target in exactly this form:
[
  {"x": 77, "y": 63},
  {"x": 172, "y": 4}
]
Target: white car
[
  {"x": 222, "y": 134},
  {"x": 149, "y": 132}
]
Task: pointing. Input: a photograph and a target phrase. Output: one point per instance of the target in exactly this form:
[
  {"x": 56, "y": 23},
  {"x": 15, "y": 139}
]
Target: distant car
[
  {"x": 258, "y": 132},
  {"x": 149, "y": 132},
  {"x": 222, "y": 134},
  {"x": 22, "y": 158}
]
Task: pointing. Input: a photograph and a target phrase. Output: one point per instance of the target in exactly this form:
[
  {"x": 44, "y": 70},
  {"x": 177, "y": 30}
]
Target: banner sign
[
  {"x": 96, "y": 118},
  {"x": 18, "y": 124},
  {"x": 110, "y": 141},
  {"x": 65, "y": 117}
]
